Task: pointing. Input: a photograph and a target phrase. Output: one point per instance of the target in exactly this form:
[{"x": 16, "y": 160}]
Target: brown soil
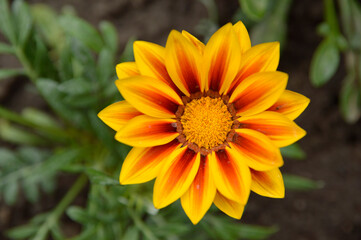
[{"x": 333, "y": 147}]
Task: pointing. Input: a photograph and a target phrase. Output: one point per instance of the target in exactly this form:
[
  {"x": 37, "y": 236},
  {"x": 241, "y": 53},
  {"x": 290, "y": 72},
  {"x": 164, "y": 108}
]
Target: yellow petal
[
  {"x": 143, "y": 164},
  {"x": 222, "y": 57},
  {"x": 281, "y": 130},
  {"x": 149, "y": 58},
  {"x": 192, "y": 39},
  {"x": 290, "y": 104},
  {"x": 256, "y": 149},
  {"x": 260, "y": 58},
  {"x": 258, "y": 92},
  {"x": 268, "y": 184},
  {"x": 243, "y": 36},
  {"x": 118, "y": 114},
  {"x": 126, "y": 69},
  {"x": 176, "y": 176},
  {"x": 229, "y": 207},
  {"x": 145, "y": 131},
  {"x": 150, "y": 96},
  {"x": 231, "y": 175},
  {"x": 183, "y": 62},
  {"x": 199, "y": 197}
]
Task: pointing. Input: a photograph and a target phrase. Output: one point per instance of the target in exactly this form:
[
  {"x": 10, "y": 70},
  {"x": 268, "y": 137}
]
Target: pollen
[{"x": 206, "y": 122}]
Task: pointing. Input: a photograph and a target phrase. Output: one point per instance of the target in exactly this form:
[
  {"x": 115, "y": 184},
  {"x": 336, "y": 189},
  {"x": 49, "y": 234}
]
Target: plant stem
[
  {"x": 25, "y": 62},
  {"x": 54, "y": 216}
]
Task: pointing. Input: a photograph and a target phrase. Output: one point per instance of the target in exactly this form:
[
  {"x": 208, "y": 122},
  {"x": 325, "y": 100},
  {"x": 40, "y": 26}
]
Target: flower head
[{"x": 206, "y": 121}]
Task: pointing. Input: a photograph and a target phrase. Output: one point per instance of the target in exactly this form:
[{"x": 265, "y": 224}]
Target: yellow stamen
[{"x": 206, "y": 122}]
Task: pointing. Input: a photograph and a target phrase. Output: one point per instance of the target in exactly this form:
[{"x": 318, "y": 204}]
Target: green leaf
[
  {"x": 23, "y": 20},
  {"x": 22, "y": 232},
  {"x": 82, "y": 31},
  {"x": 16, "y": 135},
  {"x": 49, "y": 89},
  {"x": 105, "y": 68},
  {"x": 10, "y": 192},
  {"x": 350, "y": 99},
  {"x": 78, "y": 214},
  {"x": 7, "y": 157},
  {"x": 293, "y": 151},
  {"x": 6, "y": 21},
  {"x": 40, "y": 118},
  {"x": 255, "y": 10},
  {"x": 76, "y": 86},
  {"x": 324, "y": 62},
  {"x": 31, "y": 190},
  {"x": 110, "y": 35},
  {"x": 294, "y": 182},
  {"x": 98, "y": 177},
  {"x": 8, "y": 73},
  {"x": 255, "y": 232},
  {"x": 127, "y": 54},
  {"x": 131, "y": 233},
  {"x": 5, "y": 48}
]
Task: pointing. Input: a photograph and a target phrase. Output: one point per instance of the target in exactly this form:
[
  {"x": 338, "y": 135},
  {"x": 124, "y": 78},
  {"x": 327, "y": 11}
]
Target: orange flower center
[{"x": 206, "y": 122}]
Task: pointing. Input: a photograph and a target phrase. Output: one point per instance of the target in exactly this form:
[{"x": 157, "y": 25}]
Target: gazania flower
[{"x": 206, "y": 121}]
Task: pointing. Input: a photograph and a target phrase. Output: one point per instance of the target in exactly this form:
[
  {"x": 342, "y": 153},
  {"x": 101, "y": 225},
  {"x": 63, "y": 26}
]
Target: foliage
[
  {"x": 71, "y": 64},
  {"x": 326, "y": 59}
]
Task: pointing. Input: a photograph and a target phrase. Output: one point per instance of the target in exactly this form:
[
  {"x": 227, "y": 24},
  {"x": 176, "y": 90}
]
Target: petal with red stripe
[
  {"x": 126, "y": 69},
  {"x": 229, "y": 207},
  {"x": 149, "y": 58},
  {"x": 256, "y": 149},
  {"x": 199, "y": 197},
  {"x": 143, "y": 164},
  {"x": 222, "y": 57},
  {"x": 290, "y": 104},
  {"x": 260, "y": 58},
  {"x": 231, "y": 175},
  {"x": 258, "y": 92},
  {"x": 145, "y": 131},
  {"x": 268, "y": 184},
  {"x": 150, "y": 96},
  {"x": 176, "y": 176},
  {"x": 183, "y": 63},
  {"x": 118, "y": 114},
  {"x": 281, "y": 130},
  {"x": 192, "y": 39},
  {"x": 243, "y": 36}
]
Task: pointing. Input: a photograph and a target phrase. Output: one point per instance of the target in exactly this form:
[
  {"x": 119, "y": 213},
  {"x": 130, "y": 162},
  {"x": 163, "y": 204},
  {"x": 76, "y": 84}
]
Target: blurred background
[{"x": 54, "y": 181}]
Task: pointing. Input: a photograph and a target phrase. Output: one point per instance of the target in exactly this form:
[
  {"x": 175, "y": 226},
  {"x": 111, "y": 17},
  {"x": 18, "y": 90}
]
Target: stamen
[{"x": 206, "y": 122}]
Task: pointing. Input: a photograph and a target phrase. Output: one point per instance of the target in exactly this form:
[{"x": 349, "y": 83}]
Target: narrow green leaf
[
  {"x": 255, "y": 10},
  {"x": 39, "y": 118},
  {"x": 127, "y": 54},
  {"x": 255, "y": 232},
  {"x": 131, "y": 233},
  {"x": 105, "y": 67},
  {"x": 110, "y": 35},
  {"x": 350, "y": 99},
  {"x": 294, "y": 182},
  {"x": 31, "y": 191},
  {"x": 16, "y": 135},
  {"x": 6, "y": 22},
  {"x": 7, "y": 157},
  {"x": 78, "y": 214},
  {"x": 324, "y": 62},
  {"x": 10, "y": 192},
  {"x": 293, "y": 151},
  {"x": 82, "y": 31},
  {"x": 5, "y": 48},
  {"x": 23, "y": 20},
  {"x": 22, "y": 232},
  {"x": 76, "y": 86},
  {"x": 8, "y": 73},
  {"x": 98, "y": 177},
  {"x": 49, "y": 89}
]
